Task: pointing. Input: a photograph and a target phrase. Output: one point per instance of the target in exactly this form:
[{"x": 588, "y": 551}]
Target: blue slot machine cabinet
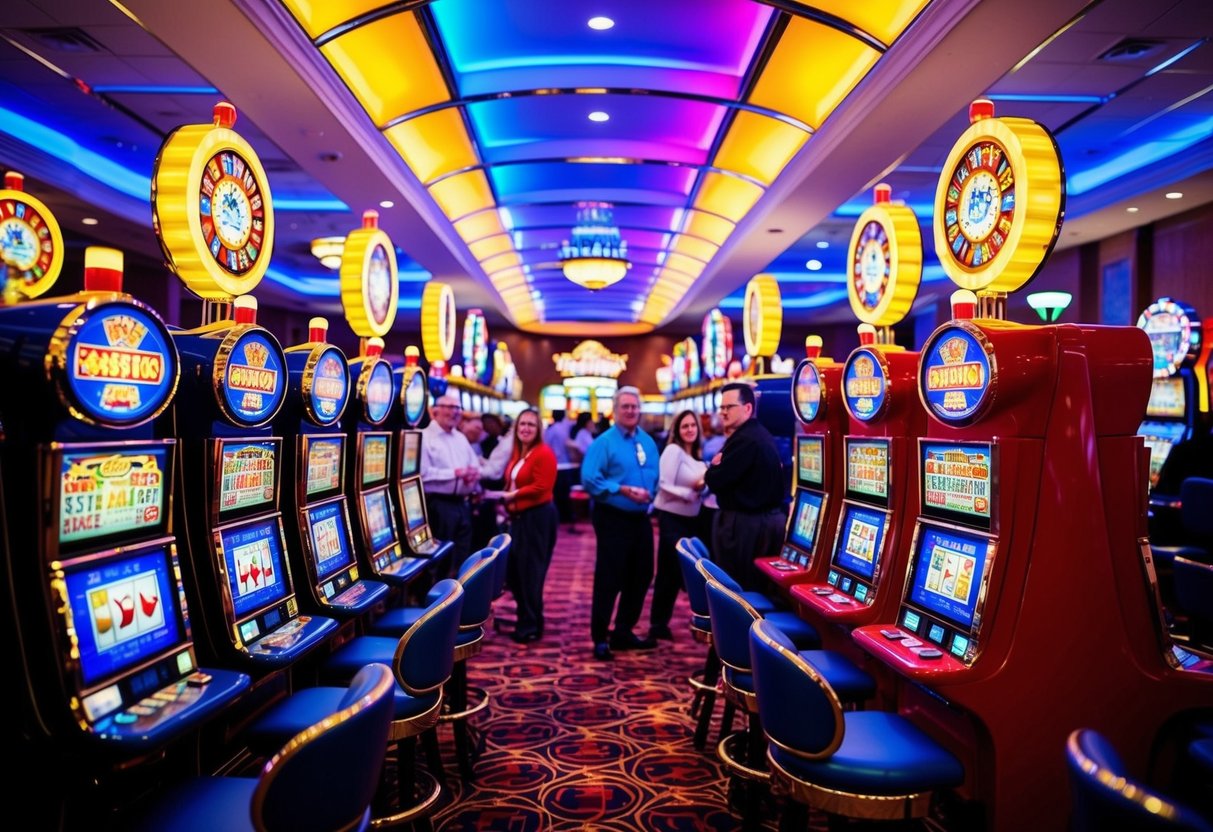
[{"x": 414, "y": 521}]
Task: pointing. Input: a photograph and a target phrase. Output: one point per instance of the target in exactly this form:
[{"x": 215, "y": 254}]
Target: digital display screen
[
  {"x": 410, "y": 454},
  {"x": 330, "y": 538},
  {"x": 246, "y": 475},
  {"x": 806, "y": 517},
  {"x": 948, "y": 568},
  {"x": 860, "y": 540},
  {"x": 378, "y": 513},
  {"x": 956, "y": 480},
  {"x": 374, "y": 458},
  {"x": 810, "y": 461},
  {"x": 125, "y": 611},
  {"x": 255, "y": 571},
  {"x": 1167, "y": 398},
  {"x": 1160, "y": 437},
  {"x": 106, "y": 492},
  {"x": 868, "y": 469},
  {"x": 324, "y": 456},
  {"x": 414, "y": 505}
]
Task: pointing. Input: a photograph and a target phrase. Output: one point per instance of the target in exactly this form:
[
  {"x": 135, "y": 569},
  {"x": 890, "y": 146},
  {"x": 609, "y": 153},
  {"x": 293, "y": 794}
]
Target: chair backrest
[
  {"x": 798, "y": 709},
  {"x": 698, "y": 547},
  {"x": 502, "y": 543},
  {"x": 1193, "y": 583},
  {"x": 325, "y": 777},
  {"x": 1196, "y": 494},
  {"x": 1105, "y": 797},
  {"x": 478, "y": 575},
  {"x": 731, "y": 619},
  {"x": 691, "y": 579},
  {"x": 425, "y": 654},
  {"x": 715, "y": 572}
]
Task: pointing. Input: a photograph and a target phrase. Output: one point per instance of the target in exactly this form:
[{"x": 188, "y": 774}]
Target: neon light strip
[{"x": 152, "y": 89}]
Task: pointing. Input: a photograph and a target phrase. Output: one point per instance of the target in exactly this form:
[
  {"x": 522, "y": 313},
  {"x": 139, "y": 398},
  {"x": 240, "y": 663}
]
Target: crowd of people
[{"x": 483, "y": 475}]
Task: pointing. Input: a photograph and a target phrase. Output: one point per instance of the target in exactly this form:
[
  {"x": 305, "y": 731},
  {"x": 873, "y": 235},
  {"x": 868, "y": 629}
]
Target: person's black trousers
[
  {"x": 623, "y": 569},
  {"x": 565, "y": 478},
  {"x": 670, "y": 528},
  {"x": 534, "y": 537},
  {"x": 451, "y": 519},
  {"x": 738, "y": 538}
]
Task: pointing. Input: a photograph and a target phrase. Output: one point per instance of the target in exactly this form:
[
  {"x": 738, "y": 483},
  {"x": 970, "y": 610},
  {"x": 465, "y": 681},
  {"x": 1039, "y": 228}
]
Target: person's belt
[{"x": 446, "y": 498}]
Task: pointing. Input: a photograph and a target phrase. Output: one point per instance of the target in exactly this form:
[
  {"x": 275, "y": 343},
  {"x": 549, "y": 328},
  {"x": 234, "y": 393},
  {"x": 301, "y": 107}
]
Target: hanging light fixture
[
  {"x": 596, "y": 257},
  {"x": 328, "y": 251},
  {"x": 1049, "y": 305}
]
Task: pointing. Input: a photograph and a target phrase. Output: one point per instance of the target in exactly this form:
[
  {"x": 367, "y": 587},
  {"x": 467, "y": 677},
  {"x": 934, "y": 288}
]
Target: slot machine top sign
[
  {"x": 415, "y": 388},
  {"x": 809, "y": 394},
  {"x": 211, "y": 208},
  {"x": 865, "y": 378},
  {"x": 958, "y": 373},
  {"x": 1174, "y": 331},
  {"x": 30, "y": 239},
  {"x": 886, "y": 261},
  {"x": 999, "y": 202},
  {"x": 249, "y": 373},
  {"x": 370, "y": 286}
]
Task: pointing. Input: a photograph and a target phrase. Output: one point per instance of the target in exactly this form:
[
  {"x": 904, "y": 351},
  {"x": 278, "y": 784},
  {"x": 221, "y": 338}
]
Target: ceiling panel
[{"x": 567, "y": 182}]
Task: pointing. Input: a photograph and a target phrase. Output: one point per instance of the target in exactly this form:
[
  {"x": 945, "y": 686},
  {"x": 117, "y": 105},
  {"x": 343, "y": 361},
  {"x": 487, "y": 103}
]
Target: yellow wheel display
[
  {"x": 370, "y": 286},
  {"x": 437, "y": 322},
  {"x": 30, "y": 239},
  {"x": 885, "y": 261},
  {"x": 763, "y": 319}
]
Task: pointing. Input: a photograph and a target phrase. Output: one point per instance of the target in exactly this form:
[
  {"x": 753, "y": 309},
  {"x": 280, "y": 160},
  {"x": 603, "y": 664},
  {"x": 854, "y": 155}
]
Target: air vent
[
  {"x": 279, "y": 165},
  {"x": 65, "y": 39},
  {"x": 1131, "y": 49}
]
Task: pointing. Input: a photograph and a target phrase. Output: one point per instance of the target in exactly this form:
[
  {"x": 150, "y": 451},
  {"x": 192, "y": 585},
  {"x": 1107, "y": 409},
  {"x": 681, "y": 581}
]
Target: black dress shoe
[
  {"x": 524, "y": 638},
  {"x": 632, "y": 642},
  {"x": 602, "y": 652},
  {"x": 662, "y": 632}
]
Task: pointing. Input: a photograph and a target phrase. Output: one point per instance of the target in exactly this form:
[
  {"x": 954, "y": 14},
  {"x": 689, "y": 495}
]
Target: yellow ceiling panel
[
  {"x": 479, "y": 226},
  {"x": 433, "y": 144},
  {"x": 502, "y": 261},
  {"x": 462, "y": 194},
  {"x": 759, "y": 146},
  {"x": 388, "y": 65},
  {"x": 684, "y": 264},
  {"x": 812, "y": 68},
  {"x": 508, "y": 277},
  {"x": 882, "y": 19},
  {"x": 727, "y": 196},
  {"x": 694, "y": 247},
  {"x": 318, "y": 16},
  {"x": 483, "y": 249},
  {"x": 708, "y": 226}
]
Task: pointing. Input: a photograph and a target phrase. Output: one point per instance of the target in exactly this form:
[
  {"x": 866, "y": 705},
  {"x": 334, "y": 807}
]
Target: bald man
[{"x": 450, "y": 471}]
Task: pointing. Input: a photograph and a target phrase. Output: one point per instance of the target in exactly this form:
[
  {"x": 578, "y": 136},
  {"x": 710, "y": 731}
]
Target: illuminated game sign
[
  {"x": 330, "y": 385},
  {"x": 1174, "y": 332},
  {"x": 106, "y": 492},
  {"x": 324, "y": 457},
  {"x": 860, "y": 539},
  {"x": 30, "y": 239},
  {"x": 254, "y": 383},
  {"x": 330, "y": 540},
  {"x": 810, "y": 453},
  {"x": 247, "y": 475},
  {"x": 886, "y": 261},
  {"x": 1168, "y": 399},
  {"x": 807, "y": 391},
  {"x": 954, "y": 374},
  {"x": 956, "y": 480},
  {"x": 865, "y": 384},
  {"x": 948, "y": 570},
  {"x": 803, "y": 524},
  {"x": 475, "y": 346},
  {"x": 377, "y": 395},
  {"x": 379, "y": 525},
  {"x": 414, "y": 396},
  {"x": 717, "y": 344},
  {"x": 410, "y": 454},
  {"x": 370, "y": 285},
  {"x": 414, "y": 508},
  {"x": 868, "y": 469},
  {"x": 119, "y": 365},
  {"x": 255, "y": 573},
  {"x": 374, "y": 459}
]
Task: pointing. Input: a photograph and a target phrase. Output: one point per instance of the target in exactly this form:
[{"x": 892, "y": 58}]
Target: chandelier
[
  {"x": 596, "y": 257},
  {"x": 328, "y": 251}
]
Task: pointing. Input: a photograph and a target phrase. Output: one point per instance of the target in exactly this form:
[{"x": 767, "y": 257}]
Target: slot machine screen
[
  {"x": 1167, "y": 399},
  {"x": 868, "y": 470},
  {"x": 374, "y": 458},
  {"x": 956, "y": 481},
  {"x": 1160, "y": 437},
  {"x": 810, "y": 461},
  {"x": 247, "y": 477},
  {"x": 860, "y": 539},
  {"x": 325, "y": 457},
  {"x": 414, "y": 505},
  {"x": 255, "y": 571},
  {"x": 125, "y": 611},
  {"x": 948, "y": 566},
  {"x": 410, "y": 454},
  {"x": 805, "y": 520},
  {"x": 378, "y": 513},
  {"x": 107, "y": 493},
  {"x": 330, "y": 537}
]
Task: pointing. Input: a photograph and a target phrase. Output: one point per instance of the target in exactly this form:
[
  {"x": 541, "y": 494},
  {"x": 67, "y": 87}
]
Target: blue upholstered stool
[
  {"x": 342, "y": 748},
  {"x": 863, "y": 764},
  {"x": 1106, "y": 797},
  {"x": 704, "y": 683}
]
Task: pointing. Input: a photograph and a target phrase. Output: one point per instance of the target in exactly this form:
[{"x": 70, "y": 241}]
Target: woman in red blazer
[{"x": 529, "y": 477}]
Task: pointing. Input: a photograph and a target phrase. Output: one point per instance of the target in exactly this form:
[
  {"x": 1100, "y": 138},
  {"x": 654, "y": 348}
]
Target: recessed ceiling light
[
  {"x": 813, "y": 265},
  {"x": 599, "y": 115},
  {"x": 89, "y": 221},
  {"x": 1175, "y": 195},
  {"x": 774, "y": 230},
  {"x": 823, "y": 244},
  {"x": 1133, "y": 209},
  {"x": 387, "y": 203},
  {"x": 601, "y": 23}
]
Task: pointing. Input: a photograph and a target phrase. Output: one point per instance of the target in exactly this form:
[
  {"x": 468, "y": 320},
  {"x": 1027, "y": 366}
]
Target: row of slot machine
[
  {"x": 192, "y": 518},
  {"x": 969, "y": 522}
]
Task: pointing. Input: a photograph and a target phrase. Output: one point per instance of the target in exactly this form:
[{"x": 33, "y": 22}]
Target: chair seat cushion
[
  {"x": 203, "y": 804},
  {"x": 701, "y": 622},
  {"x": 360, "y": 652},
  {"x": 761, "y": 603},
  {"x": 292, "y": 715},
  {"x": 465, "y": 637},
  {"x": 849, "y": 681},
  {"x": 396, "y": 622},
  {"x": 801, "y": 632},
  {"x": 1167, "y": 554},
  {"x": 881, "y": 754}
]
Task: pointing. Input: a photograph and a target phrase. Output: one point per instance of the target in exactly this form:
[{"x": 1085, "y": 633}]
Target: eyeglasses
[
  {"x": 628, "y": 407},
  {"x": 449, "y": 406},
  {"x": 725, "y": 408}
]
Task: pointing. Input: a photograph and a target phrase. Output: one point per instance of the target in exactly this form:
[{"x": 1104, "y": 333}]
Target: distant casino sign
[
  {"x": 119, "y": 365},
  {"x": 807, "y": 391},
  {"x": 414, "y": 396},
  {"x": 954, "y": 375},
  {"x": 865, "y": 384},
  {"x": 330, "y": 386},
  {"x": 1174, "y": 331},
  {"x": 253, "y": 382},
  {"x": 377, "y": 396}
]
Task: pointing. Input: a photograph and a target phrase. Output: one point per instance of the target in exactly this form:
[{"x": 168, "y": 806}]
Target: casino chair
[
  {"x": 322, "y": 779},
  {"x": 478, "y": 576},
  {"x": 1194, "y": 601},
  {"x": 859, "y": 764},
  {"x": 1106, "y": 797},
  {"x": 502, "y": 543},
  {"x": 1196, "y": 517},
  {"x": 422, "y": 661}
]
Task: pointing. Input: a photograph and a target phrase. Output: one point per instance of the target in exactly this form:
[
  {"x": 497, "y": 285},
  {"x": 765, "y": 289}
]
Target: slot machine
[
  {"x": 1024, "y": 613},
  {"x": 817, "y": 469},
  {"x": 315, "y": 509},
  {"x": 213, "y": 215},
  {"x": 414, "y": 520},
  {"x": 104, "y": 671},
  {"x": 879, "y": 498}
]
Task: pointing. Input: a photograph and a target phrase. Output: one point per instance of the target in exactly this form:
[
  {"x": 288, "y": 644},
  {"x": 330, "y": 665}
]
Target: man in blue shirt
[{"x": 620, "y": 472}]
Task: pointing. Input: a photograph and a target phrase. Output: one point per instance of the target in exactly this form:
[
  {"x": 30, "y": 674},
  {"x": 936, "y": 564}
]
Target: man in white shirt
[
  {"x": 556, "y": 437},
  {"x": 450, "y": 471}
]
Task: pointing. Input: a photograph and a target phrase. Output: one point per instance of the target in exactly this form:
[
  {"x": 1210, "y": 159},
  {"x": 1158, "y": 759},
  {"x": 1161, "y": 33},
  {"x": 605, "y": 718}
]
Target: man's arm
[
  {"x": 435, "y": 467},
  {"x": 593, "y": 470},
  {"x": 735, "y": 458}
]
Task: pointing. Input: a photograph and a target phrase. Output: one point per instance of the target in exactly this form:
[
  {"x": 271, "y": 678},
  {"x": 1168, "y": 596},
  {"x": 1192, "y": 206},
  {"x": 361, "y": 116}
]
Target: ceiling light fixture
[
  {"x": 597, "y": 257},
  {"x": 813, "y": 265},
  {"x": 599, "y": 116},
  {"x": 89, "y": 221},
  {"x": 328, "y": 251},
  {"x": 386, "y": 203},
  {"x": 1133, "y": 209},
  {"x": 600, "y": 23},
  {"x": 822, "y": 244},
  {"x": 1175, "y": 195}
]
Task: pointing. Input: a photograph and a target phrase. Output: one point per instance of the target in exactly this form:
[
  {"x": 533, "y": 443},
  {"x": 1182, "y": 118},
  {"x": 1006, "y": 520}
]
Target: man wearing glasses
[
  {"x": 747, "y": 479},
  {"x": 620, "y": 472},
  {"x": 450, "y": 471}
]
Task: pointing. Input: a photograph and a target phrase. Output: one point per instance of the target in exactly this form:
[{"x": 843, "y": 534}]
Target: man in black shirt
[{"x": 747, "y": 480}]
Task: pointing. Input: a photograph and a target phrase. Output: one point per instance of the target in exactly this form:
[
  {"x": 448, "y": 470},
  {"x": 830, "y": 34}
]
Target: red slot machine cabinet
[{"x": 817, "y": 466}]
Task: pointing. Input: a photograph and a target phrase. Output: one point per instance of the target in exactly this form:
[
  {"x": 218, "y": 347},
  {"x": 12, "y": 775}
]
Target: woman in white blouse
[{"x": 679, "y": 495}]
